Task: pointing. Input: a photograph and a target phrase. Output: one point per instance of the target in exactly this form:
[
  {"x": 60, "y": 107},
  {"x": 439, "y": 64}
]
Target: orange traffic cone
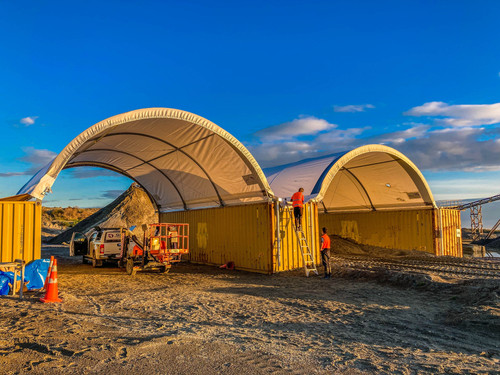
[
  {"x": 51, "y": 295},
  {"x": 46, "y": 283}
]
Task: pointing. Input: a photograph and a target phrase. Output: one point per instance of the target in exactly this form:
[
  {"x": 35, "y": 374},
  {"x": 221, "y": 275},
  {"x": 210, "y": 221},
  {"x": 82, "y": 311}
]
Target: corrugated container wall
[
  {"x": 248, "y": 236},
  {"x": 290, "y": 257},
  {"x": 449, "y": 238},
  {"x": 407, "y": 230},
  {"x": 241, "y": 234},
  {"x": 20, "y": 231}
]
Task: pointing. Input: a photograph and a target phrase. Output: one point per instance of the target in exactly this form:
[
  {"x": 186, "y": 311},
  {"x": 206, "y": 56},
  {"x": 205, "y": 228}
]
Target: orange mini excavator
[{"x": 162, "y": 245}]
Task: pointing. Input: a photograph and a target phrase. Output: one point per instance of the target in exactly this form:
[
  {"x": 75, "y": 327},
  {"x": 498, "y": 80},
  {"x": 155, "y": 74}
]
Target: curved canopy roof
[
  {"x": 371, "y": 177},
  {"x": 182, "y": 160}
]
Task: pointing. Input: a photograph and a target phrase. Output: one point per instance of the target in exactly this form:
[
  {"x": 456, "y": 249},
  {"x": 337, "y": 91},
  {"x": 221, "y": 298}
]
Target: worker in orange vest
[
  {"x": 298, "y": 203},
  {"x": 325, "y": 254}
]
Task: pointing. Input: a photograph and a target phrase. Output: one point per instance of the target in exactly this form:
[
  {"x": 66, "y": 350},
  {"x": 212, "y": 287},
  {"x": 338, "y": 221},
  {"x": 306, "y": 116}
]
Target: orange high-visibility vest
[
  {"x": 297, "y": 199},
  {"x": 326, "y": 241}
]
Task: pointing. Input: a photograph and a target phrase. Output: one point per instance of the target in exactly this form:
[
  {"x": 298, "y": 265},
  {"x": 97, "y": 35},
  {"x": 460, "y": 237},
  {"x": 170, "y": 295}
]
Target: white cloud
[
  {"x": 270, "y": 154},
  {"x": 295, "y": 128},
  {"x": 284, "y": 143},
  {"x": 461, "y": 115},
  {"x": 352, "y": 107},
  {"x": 470, "y": 149},
  {"x": 30, "y": 120},
  {"x": 35, "y": 158},
  {"x": 465, "y": 149},
  {"x": 452, "y": 141},
  {"x": 395, "y": 138}
]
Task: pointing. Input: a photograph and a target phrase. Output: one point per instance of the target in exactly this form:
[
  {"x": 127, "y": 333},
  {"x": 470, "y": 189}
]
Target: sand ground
[{"x": 202, "y": 320}]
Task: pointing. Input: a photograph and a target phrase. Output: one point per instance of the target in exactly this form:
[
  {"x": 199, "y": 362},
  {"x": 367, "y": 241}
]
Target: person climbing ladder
[{"x": 298, "y": 204}]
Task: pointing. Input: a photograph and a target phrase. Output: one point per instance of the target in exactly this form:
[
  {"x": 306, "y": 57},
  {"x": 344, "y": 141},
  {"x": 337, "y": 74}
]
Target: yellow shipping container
[
  {"x": 247, "y": 235},
  {"x": 241, "y": 234},
  {"x": 430, "y": 230},
  {"x": 20, "y": 230},
  {"x": 448, "y": 239},
  {"x": 286, "y": 252}
]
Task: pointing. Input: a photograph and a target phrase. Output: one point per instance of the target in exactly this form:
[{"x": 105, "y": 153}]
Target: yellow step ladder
[{"x": 307, "y": 255}]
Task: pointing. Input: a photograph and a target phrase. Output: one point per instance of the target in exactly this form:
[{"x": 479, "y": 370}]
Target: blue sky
[{"x": 290, "y": 79}]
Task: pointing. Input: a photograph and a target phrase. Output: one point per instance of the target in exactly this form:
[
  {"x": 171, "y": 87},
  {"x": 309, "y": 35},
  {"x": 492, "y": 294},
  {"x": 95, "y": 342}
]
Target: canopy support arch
[{"x": 358, "y": 183}]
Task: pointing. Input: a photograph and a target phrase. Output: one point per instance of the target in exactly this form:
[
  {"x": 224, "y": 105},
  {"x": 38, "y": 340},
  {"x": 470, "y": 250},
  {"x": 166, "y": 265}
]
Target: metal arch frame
[
  {"x": 144, "y": 162},
  {"x": 356, "y": 182},
  {"x": 113, "y": 169},
  {"x": 158, "y": 157},
  {"x": 396, "y": 159},
  {"x": 361, "y": 185}
]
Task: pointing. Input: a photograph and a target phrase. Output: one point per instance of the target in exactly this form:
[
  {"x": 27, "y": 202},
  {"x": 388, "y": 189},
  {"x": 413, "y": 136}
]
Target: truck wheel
[
  {"x": 95, "y": 262},
  {"x": 130, "y": 267}
]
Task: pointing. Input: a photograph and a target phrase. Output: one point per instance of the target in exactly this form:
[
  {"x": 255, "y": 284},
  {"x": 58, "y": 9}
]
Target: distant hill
[
  {"x": 65, "y": 217},
  {"x": 132, "y": 207}
]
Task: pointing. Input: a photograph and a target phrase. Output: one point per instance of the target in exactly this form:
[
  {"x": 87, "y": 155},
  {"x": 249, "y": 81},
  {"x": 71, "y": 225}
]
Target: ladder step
[{"x": 307, "y": 257}]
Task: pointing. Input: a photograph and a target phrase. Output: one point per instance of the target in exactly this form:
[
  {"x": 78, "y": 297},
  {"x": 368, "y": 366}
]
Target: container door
[{"x": 450, "y": 241}]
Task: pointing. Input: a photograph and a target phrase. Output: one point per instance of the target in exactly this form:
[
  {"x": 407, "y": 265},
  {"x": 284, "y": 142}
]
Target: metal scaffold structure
[{"x": 476, "y": 216}]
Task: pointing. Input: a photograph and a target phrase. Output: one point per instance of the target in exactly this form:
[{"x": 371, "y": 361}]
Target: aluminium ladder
[{"x": 307, "y": 256}]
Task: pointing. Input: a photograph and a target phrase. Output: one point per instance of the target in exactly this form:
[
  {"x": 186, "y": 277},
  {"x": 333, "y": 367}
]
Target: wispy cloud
[
  {"x": 461, "y": 115},
  {"x": 299, "y": 138},
  {"x": 35, "y": 158},
  {"x": 39, "y": 158},
  {"x": 111, "y": 194},
  {"x": 12, "y": 174},
  {"x": 442, "y": 145},
  {"x": 352, "y": 107},
  {"x": 466, "y": 149},
  {"x": 415, "y": 131},
  {"x": 28, "y": 121},
  {"x": 299, "y": 127}
]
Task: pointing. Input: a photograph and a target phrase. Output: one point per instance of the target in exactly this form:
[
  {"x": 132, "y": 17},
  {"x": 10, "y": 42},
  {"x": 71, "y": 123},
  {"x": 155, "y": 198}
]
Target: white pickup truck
[{"x": 99, "y": 246}]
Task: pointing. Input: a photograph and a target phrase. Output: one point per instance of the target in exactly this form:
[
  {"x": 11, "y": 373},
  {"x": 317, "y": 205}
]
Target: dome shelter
[
  {"x": 182, "y": 160},
  {"x": 195, "y": 172},
  {"x": 368, "y": 178},
  {"x": 374, "y": 195}
]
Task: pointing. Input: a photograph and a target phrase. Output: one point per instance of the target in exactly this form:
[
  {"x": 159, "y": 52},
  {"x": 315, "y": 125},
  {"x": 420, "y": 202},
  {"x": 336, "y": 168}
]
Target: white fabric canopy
[
  {"x": 372, "y": 177},
  {"x": 182, "y": 160}
]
